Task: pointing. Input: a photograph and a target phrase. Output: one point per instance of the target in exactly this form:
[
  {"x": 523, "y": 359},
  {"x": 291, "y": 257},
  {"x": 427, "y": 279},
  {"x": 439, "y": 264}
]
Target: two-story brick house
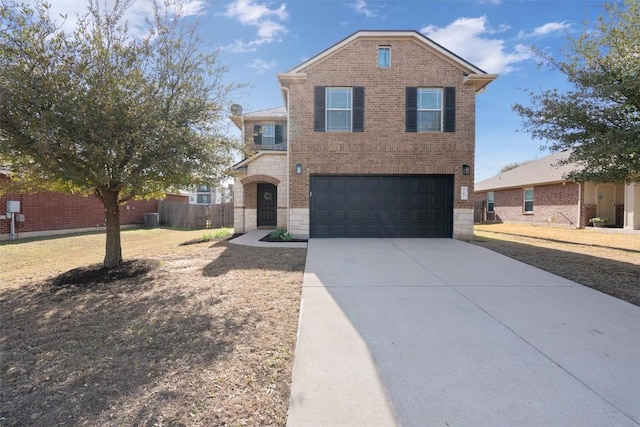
[{"x": 377, "y": 140}]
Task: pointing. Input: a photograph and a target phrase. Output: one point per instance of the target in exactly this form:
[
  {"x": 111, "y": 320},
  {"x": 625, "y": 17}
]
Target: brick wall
[
  {"x": 47, "y": 211},
  {"x": 384, "y": 147},
  {"x": 555, "y": 204}
]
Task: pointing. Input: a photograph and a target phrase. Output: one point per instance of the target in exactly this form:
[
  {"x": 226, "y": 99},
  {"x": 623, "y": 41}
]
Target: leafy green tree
[
  {"x": 100, "y": 111},
  {"x": 599, "y": 119}
]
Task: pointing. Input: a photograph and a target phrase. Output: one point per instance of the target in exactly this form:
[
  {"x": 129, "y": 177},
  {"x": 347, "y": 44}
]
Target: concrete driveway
[{"x": 438, "y": 332}]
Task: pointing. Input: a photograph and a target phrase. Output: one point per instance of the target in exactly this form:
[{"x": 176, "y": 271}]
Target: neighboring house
[
  {"x": 48, "y": 213},
  {"x": 209, "y": 195},
  {"x": 538, "y": 193},
  {"x": 376, "y": 139}
]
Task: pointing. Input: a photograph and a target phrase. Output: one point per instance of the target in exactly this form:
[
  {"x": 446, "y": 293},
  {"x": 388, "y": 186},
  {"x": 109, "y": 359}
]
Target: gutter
[{"x": 286, "y": 89}]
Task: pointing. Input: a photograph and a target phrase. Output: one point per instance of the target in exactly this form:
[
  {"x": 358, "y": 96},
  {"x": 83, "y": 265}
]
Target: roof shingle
[{"x": 542, "y": 171}]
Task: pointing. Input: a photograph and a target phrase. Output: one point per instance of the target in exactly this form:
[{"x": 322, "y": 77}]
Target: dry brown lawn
[
  {"x": 602, "y": 259},
  {"x": 195, "y": 335}
]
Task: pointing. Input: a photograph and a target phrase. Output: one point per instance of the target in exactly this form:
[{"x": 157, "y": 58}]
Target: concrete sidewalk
[{"x": 421, "y": 332}]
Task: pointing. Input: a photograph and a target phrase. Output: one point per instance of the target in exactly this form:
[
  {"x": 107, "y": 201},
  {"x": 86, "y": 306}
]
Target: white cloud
[
  {"x": 240, "y": 46},
  {"x": 262, "y": 66},
  {"x": 546, "y": 29},
  {"x": 362, "y": 8},
  {"x": 268, "y": 21},
  {"x": 471, "y": 38}
]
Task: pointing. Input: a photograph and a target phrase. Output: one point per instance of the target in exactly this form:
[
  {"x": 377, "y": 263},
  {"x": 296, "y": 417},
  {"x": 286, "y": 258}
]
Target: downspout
[
  {"x": 579, "y": 205},
  {"x": 288, "y": 166},
  {"x": 242, "y": 156}
]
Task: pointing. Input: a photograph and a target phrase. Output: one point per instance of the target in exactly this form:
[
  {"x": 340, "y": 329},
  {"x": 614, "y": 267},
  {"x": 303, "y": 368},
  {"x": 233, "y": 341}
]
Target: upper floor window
[
  {"x": 430, "y": 109},
  {"x": 204, "y": 198},
  {"x": 204, "y": 188},
  {"x": 528, "y": 200},
  {"x": 268, "y": 134},
  {"x": 490, "y": 201},
  {"x": 338, "y": 109},
  {"x": 384, "y": 56}
]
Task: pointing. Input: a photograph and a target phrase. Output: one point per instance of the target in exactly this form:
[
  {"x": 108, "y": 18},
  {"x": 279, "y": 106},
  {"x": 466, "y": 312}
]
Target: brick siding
[
  {"x": 553, "y": 204},
  {"x": 384, "y": 147},
  {"x": 46, "y": 211}
]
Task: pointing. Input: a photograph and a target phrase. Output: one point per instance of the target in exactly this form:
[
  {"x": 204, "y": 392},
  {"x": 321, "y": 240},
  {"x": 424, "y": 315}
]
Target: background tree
[
  {"x": 510, "y": 166},
  {"x": 99, "y": 111},
  {"x": 599, "y": 120}
]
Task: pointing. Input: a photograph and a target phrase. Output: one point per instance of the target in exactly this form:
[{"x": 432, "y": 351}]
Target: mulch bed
[{"x": 268, "y": 238}]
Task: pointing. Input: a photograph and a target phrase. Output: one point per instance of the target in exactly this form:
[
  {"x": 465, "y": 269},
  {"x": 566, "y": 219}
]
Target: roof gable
[
  {"x": 409, "y": 34},
  {"x": 473, "y": 75}
]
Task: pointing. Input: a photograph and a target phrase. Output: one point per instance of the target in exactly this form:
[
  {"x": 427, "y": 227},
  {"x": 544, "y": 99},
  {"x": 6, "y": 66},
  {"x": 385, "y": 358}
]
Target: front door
[
  {"x": 267, "y": 207},
  {"x": 606, "y": 202}
]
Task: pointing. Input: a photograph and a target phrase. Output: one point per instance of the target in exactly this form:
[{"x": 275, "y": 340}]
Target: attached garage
[{"x": 381, "y": 206}]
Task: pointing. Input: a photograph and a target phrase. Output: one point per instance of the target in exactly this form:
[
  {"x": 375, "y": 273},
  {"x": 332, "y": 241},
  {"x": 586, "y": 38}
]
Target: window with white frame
[
  {"x": 338, "y": 109},
  {"x": 384, "y": 56},
  {"x": 268, "y": 134},
  {"x": 490, "y": 201},
  {"x": 204, "y": 198},
  {"x": 528, "y": 200},
  {"x": 429, "y": 118}
]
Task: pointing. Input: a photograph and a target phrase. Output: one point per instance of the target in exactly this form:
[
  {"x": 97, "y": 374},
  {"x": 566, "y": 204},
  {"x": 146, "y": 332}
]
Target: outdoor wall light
[
  {"x": 298, "y": 168},
  {"x": 466, "y": 169}
]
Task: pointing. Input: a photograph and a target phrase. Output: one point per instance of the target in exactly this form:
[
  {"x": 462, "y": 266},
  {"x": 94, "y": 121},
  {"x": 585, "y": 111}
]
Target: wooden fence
[
  {"x": 479, "y": 211},
  {"x": 195, "y": 216}
]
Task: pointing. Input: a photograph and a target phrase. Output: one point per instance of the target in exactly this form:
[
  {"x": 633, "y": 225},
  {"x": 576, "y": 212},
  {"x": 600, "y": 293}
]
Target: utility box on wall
[{"x": 13, "y": 206}]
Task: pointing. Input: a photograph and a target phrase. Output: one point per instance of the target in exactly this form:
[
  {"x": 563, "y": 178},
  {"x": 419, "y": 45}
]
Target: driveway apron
[{"x": 438, "y": 332}]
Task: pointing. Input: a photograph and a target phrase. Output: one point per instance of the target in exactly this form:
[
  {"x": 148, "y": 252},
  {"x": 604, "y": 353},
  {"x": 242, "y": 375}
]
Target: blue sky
[{"x": 258, "y": 39}]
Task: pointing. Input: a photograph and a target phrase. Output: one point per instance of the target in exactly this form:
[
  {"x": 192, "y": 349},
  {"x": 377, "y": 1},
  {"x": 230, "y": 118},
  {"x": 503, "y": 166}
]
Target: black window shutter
[
  {"x": 412, "y": 109},
  {"x": 257, "y": 134},
  {"x": 319, "y": 109},
  {"x": 449, "y": 109},
  {"x": 279, "y": 131},
  {"x": 358, "y": 109}
]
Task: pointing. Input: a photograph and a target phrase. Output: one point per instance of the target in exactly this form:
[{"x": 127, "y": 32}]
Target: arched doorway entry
[{"x": 267, "y": 205}]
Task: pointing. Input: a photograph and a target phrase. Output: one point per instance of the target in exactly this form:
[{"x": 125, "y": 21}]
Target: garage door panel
[
  {"x": 406, "y": 215},
  {"x": 354, "y": 201},
  {"x": 438, "y": 185},
  {"x": 321, "y": 200},
  {"x": 338, "y": 184},
  {"x": 438, "y": 200},
  {"x": 355, "y": 184},
  {"x": 387, "y": 215},
  {"x": 336, "y": 215},
  {"x": 371, "y": 215},
  {"x": 388, "y": 201},
  {"x": 406, "y": 201},
  {"x": 337, "y": 199},
  {"x": 406, "y": 186},
  {"x": 382, "y": 206},
  {"x": 354, "y": 215},
  {"x": 337, "y": 230},
  {"x": 320, "y": 215}
]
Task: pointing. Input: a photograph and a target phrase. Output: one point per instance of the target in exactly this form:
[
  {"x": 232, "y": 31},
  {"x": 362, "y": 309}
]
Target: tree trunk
[{"x": 113, "y": 250}]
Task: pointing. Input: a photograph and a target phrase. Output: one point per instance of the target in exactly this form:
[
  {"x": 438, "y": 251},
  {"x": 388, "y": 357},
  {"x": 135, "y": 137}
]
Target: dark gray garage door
[{"x": 381, "y": 206}]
